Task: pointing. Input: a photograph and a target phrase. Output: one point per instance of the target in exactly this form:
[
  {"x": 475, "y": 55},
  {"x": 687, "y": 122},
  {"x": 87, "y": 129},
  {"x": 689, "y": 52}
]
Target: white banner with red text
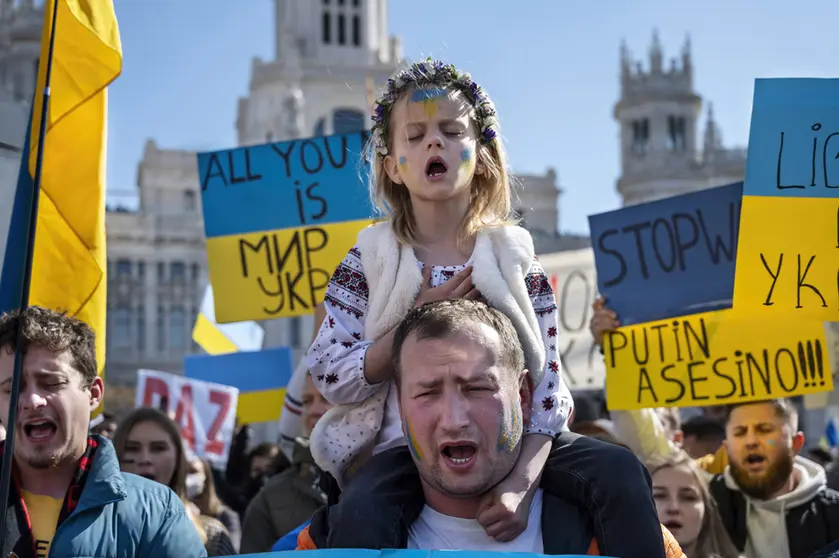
[{"x": 205, "y": 412}]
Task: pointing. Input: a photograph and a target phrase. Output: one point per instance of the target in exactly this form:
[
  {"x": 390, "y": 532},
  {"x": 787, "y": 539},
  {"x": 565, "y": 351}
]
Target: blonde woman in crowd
[
  {"x": 149, "y": 444},
  {"x": 201, "y": 491},
  {"x": 686, "y": 508}
]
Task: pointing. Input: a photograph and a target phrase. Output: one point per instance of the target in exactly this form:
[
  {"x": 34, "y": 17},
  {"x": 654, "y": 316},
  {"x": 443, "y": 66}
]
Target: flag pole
[{"x": 11, "y": 423}]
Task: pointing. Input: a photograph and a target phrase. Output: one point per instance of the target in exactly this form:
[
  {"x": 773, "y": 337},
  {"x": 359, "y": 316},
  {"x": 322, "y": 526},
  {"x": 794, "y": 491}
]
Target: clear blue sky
[{"x": 551, "y": 66}]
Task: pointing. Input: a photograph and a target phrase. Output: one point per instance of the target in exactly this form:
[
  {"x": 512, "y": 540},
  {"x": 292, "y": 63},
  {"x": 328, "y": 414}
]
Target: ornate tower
[
  {"x": 657, "y": 114},
  {"x": 326, "y": 53}
]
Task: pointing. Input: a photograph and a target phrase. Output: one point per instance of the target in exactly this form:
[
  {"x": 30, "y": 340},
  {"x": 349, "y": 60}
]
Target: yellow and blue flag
[
  {"x": 70, "y": 263},
  {"x": 219, "y": 339},
  {"x": 262, "y": 378}
]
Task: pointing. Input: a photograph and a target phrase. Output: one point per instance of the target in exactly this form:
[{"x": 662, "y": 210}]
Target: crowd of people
[{"x": 434, "y": 412}]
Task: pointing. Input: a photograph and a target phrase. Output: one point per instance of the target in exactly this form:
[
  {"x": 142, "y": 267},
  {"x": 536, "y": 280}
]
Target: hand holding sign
[{"x": 602, "y": 321}]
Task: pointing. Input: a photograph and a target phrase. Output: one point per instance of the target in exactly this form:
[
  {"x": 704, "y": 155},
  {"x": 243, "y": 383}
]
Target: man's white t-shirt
[{"x": 435, "y": 531}]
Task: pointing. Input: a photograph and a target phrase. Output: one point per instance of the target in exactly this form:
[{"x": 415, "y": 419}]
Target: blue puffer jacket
[{"x": 121, "y": 515}]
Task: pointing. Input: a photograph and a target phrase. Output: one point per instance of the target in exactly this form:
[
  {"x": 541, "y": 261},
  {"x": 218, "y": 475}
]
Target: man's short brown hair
[
  {"x": 784, "y": 409},
  {"x": 55, "y": 331},
  {"x": 437, "y": 320}
]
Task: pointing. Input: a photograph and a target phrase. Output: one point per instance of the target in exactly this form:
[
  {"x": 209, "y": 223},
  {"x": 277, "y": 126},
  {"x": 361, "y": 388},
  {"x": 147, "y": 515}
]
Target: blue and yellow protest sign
[
  {"x": 279, "y": 218},
  {"x": 260, "y": 376},
  {"x": 670, "y": 257},
  {"x": 788, "y": 255},
  {"x": 714, "y": 358}
]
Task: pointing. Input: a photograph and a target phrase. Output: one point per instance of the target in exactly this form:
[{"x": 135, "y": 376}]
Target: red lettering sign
[
  {"x": 186, "y": 410},
  {"x": 222, "y": 399},
  {"x": 154, "y": 386}
]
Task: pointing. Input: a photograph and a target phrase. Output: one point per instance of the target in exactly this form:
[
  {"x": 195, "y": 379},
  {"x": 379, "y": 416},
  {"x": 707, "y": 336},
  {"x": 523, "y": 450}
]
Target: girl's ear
[{"x": 392, "y": 169}]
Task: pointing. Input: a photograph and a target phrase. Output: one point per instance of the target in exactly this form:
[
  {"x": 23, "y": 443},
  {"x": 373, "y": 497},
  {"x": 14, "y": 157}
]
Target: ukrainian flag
[
  {"x": 260, "y": 376},
  {"x": 219, "y": 339},
  {"x": 70, "y": 264}
]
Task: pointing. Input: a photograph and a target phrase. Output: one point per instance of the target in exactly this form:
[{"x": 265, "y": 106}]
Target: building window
[
  {"x": 177, "y": 328},
  {"x": 640, "y": 136},
  {"x": 356, "y": 30},
  {"x": 141, "y": 328},
  {"x": 123, "y": 268},
  {"x": 347, "y": 121},
  {"x": 122, "y": 337},
  {"x": 676, "y": 137},
  {"x": 326, "y": 27},
  {"x": 356, "y": 3},
  {"x": 342, "y": 29},
  {"x": 178, "y": 271},
  {"x": 161, "y": 272},
  {"x": 160, "y": 325},
  {"x": 189, "y": 200},
  {"x": 141, "y": 270},
  {"x": 196, "y": 272}
]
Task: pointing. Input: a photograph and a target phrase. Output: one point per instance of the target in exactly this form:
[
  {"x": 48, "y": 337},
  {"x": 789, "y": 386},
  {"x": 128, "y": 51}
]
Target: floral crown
[{"x": 433, "y": 72}]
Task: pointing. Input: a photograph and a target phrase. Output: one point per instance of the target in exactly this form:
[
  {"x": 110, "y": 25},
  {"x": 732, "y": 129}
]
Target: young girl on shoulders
[{"x": 439, "y": 174}]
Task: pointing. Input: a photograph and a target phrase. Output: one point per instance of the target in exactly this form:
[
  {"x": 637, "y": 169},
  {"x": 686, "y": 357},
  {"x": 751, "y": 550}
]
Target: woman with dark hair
[{"x": 149, "y": 444}]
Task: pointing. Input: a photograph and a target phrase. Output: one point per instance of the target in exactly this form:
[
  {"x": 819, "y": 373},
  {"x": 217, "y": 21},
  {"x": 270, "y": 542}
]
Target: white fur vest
[{"x": 500, "y": 262}]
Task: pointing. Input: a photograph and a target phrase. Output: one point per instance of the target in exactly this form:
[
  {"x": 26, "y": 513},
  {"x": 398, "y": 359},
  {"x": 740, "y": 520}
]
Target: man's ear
[
  {"x": 798, "y": 442},
  {"x": 526, "y": 396},
  {"x": 392, "y": 169},
  {"x": 97, "y": 392}
]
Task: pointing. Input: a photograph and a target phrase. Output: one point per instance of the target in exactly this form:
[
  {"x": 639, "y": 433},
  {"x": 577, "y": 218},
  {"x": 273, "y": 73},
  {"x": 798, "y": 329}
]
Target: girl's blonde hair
[
  {"x": 713, "y": 540},
  {"x": 490, "y": 202}
]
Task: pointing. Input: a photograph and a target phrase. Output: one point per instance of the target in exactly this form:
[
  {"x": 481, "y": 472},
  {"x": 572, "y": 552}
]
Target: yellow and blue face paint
[
  {"x": 467, "y": 161},
  {"x": 429, "y": 98},
  {"x": 510, "y": 430},
  {"x": 416, "y": 451}
]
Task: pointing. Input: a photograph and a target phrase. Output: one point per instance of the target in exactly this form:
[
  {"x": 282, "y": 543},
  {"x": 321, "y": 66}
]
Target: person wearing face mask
[
  {"x": 201, "y": 491},
  {"x": 290, "y": 498}
]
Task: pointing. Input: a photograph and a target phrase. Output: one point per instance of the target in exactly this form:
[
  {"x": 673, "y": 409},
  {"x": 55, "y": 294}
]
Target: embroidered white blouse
[{"x": 336, "y": 357}]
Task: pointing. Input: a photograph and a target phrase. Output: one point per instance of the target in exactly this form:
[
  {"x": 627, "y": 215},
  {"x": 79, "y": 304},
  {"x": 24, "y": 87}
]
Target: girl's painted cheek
[
  {"x": 403, "y": 163},
  {"x": 466, "y": 159}
]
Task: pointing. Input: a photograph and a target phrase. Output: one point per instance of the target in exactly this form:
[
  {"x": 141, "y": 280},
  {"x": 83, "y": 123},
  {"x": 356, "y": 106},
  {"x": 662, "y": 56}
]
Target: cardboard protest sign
[
  {"x": 671, "y": 257},
  {"x": 279, "y": 218},
  {"x": 205, "y": 412},
  {"x": 714, "y": 358},
  {"x": 261, "y": 378},
  {"x": 788, "y": 258},
  {"x": 574, "y": 282}
]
